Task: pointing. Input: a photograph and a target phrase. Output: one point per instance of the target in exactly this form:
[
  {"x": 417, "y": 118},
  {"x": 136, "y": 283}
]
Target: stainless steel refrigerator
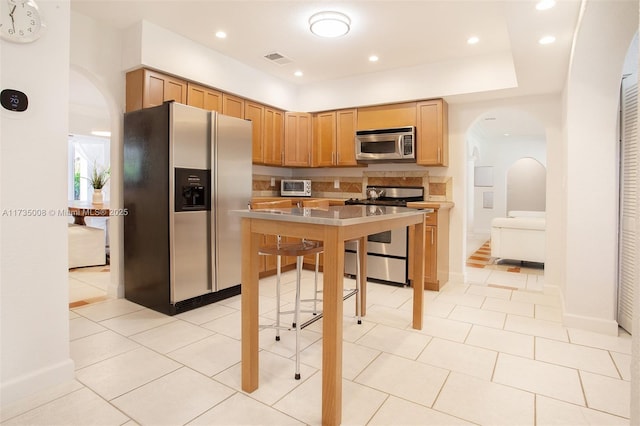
[{"x": 184, "y": 169}]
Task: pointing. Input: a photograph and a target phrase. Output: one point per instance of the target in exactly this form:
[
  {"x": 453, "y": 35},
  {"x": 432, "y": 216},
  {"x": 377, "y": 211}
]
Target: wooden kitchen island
[{"x": 333, "y": 226}]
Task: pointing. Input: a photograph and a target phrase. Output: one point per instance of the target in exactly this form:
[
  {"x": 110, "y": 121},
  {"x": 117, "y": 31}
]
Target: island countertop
[{"x": 334, "y": 215}]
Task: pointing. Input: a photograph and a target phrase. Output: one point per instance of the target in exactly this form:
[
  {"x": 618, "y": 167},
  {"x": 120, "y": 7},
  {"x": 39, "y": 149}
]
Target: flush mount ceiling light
[
  {"x": 221, "y": 34},
  {"x": 473, "y": 40},
  {"x": 329, "y": 24},
  {"x": 547, "y": 40},
  {"x": 545, "y": 4}
]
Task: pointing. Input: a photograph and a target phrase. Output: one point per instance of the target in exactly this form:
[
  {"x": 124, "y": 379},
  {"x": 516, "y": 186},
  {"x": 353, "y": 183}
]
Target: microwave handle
[{"x": 400, "y": 145}]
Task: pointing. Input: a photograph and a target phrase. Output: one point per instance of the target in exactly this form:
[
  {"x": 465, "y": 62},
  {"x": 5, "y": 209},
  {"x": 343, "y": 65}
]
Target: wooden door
[
  {"x": 160, "y": 88},
  {"x": 272, "y": 139},
  {"x": 204, "y": 97},
  {"x": 432, "y": 146},
  {"x": 297, "y": 139},
  {"x": 384, "y": 116},
  {"x": 324, "y": 139},
  {"x": 255, "y": 113},
  {"x": 430, "y": 257},
  {"x": 232, "y": 105},
  {"x": 345, "y": 137},
  {"x": 146, "y": 88}
]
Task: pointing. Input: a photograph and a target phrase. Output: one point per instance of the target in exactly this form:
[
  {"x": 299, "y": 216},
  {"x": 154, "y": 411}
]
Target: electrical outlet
[
  {"x": 336, "y": 183},
  {"x": 273, "y": 181}
]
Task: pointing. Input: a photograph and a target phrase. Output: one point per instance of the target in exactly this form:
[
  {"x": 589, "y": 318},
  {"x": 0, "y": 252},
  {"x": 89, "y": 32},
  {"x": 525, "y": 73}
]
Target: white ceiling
[{"x": 402, "y": 33}]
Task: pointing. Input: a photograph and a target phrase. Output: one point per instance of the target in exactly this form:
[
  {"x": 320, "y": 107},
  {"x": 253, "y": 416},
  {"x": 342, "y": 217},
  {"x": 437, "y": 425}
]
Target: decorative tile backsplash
[{"x": 437, "y": 188}]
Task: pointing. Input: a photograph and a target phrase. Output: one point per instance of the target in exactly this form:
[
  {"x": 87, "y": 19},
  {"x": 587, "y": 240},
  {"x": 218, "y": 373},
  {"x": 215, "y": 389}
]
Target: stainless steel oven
[
  {"x": 386, "y": 256},
  {"x": 387, "y": 252}
]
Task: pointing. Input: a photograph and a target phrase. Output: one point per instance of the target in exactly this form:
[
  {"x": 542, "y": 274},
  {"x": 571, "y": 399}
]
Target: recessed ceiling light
[
  {"x": 101, "y": 133},
  {"x": 547, "y": 40},
  {"x": 298, "y": 73},
  {"x": 545, "y": 4},
  {"x": 373, "y": 58},
  {"x": 507, "y": 134},
  {"x": 329, "y": 24},
  {"x": 473, "y": 40},
  {"x": 221, "y": 34}
]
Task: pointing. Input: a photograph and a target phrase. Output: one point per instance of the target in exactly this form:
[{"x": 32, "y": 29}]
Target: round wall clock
[{"x": 21, "y": 21}]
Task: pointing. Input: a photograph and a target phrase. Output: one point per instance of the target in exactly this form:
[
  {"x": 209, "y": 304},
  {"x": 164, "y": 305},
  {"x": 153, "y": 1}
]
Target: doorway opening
[
  {"x": 89, "y": 148},
  {"x": 506, "y": 164}
]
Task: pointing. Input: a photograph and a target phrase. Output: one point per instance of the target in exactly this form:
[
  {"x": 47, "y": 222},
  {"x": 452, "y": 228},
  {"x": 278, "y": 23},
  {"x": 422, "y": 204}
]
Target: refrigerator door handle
[{"x": 213, "y": 119}]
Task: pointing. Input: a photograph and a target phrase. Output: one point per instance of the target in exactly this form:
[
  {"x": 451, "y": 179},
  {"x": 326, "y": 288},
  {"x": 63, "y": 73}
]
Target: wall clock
[{"x": 21, "y": 21}]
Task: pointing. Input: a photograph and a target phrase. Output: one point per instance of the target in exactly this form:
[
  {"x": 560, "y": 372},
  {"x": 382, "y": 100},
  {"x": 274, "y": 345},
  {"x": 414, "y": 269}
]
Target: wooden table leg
[
  {"x": 250, "y": 347},
  {"x": 418, "y": 274},
  {"x": 332, "y": 326}
]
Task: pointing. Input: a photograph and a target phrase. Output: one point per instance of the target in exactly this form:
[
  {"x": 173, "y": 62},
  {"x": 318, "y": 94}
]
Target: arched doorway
[
  {"x": 497, "y": 140},
  {"x": 94, "y": 118}
]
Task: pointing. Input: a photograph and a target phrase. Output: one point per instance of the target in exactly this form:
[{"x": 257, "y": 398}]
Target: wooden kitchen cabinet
[
  {"x": 204, "y": 97},
  {"x": 436, "y": 249},
  {"x": 146, "y": 88},
  {"x": 431, "y": 256},
  {"x": 345, "y": 137},
  {"x": 255, "y": 113},
  {"x": 333, "y": 138},
  {"x": 273, "y": 137},
  {"x": 232, "y": 105},
  {"x": 297, "y": 139},
  {"x": 324, "y": 139},
  {"x": 432, "y": 135},
  {"x": 385, "y": 116}
]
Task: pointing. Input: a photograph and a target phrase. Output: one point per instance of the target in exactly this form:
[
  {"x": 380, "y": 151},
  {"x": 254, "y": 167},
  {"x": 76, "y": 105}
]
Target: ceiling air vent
[{"x": 278, "y": 58}]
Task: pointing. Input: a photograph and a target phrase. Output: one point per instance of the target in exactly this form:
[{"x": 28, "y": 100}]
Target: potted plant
[{"x": 98, "y": 179}]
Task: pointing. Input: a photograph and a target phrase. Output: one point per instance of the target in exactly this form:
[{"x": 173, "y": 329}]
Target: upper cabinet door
[
  {"x": 346, "y": 137},
  {"x": 324, "y": 139},
  {"x": 255, "y": 113},
  {"x": 297, "y": 139},
  {"x": 146, "y": 88},
  {"x": 385, "y": 116},
  {"x": 273, "y": 137},
  {"x": 233, "y": 106},
  {"x": 204, "y": 97},
  {"x": 432, "y": 135}
]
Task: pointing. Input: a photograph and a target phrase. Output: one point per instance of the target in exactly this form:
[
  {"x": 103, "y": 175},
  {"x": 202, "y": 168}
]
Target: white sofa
[
  {"x": 521, "y": 236},
  {"x": 86, "y": 246}
]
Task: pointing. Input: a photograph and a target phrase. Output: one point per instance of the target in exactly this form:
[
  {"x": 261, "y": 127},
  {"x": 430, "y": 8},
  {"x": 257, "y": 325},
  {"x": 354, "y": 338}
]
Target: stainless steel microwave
[
  {"x": 295, "y": 188},
  {"x": 386, "y": 145}
]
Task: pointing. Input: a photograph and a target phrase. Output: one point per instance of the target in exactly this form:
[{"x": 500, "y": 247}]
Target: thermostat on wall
[{"x": 14, "y": 100}]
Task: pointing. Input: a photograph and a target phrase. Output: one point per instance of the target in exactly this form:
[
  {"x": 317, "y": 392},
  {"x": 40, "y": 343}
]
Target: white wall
[
  {"x": 526, "y": 185},
  {"x": 591, "y": 164},
  {"x": 34, "y": 300},
  {"x": 161, "y": 49},
  {"x": 500, "y": 155},
  {"x": 467, "y": 75}
]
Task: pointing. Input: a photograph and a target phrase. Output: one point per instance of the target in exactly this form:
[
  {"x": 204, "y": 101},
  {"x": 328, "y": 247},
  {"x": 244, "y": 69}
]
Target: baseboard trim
[
  {"x": 597, "y": 325},
  {"x": 36, "y": 381}
]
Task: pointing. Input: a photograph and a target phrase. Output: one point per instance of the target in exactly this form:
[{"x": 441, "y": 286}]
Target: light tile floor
[{"x": 487, "y": 355}]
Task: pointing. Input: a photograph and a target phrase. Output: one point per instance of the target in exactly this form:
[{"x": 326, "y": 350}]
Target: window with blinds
[{"x": 628, "y": 256}]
